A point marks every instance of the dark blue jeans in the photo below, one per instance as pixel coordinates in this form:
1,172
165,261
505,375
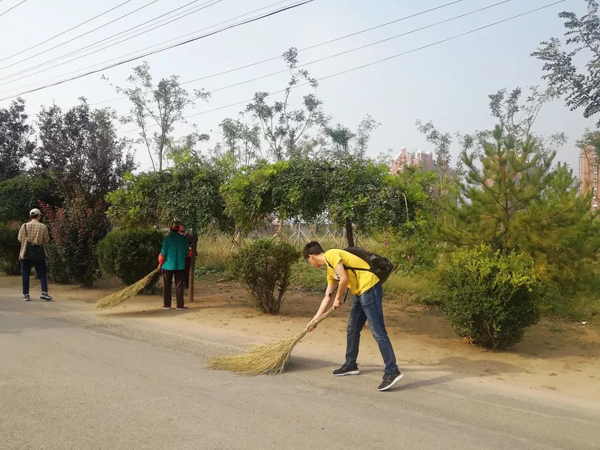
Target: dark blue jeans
40,270
368,306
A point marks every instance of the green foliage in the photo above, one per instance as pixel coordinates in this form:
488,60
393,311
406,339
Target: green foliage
577,82
412,248
490,297
9,250
288,189
139,202
81,152
518,202
130,254
20,194
263,268
283,126
16,144
156,105
58,269
76,231
559,232
307,278
188,193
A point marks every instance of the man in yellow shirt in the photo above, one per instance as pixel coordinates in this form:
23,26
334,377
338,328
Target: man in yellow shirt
345,270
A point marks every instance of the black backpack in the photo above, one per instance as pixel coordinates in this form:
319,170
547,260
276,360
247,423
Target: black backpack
378,265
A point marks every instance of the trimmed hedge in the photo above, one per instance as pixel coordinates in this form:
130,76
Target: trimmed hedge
9,250
265,267
490,298
130,254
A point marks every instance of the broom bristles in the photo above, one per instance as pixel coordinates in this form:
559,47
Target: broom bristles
266,359
116,298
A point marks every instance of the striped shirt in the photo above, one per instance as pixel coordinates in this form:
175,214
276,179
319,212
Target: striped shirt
37,233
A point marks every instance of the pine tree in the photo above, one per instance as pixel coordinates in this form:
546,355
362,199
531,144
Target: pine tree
512,199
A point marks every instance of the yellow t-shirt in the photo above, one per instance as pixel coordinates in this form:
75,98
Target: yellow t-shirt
359,281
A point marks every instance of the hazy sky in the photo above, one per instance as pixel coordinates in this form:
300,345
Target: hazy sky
447,84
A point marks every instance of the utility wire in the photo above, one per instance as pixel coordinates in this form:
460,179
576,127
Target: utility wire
10,9
64,32
398,55
212,91
81,35
360,47
110,38
269,59
151,47
188,41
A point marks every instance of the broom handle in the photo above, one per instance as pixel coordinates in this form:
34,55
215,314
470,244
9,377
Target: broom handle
321,319
325,314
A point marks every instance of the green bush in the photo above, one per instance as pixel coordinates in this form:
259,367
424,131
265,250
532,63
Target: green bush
58,270
9,250
264,267
308,278
490,298
130,254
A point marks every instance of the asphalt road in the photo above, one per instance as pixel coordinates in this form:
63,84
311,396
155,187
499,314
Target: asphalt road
72,380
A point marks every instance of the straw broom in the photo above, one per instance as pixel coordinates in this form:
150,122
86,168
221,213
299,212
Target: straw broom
266,359
116,298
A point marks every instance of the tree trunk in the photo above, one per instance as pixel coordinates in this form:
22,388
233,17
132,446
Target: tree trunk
192,269
349,233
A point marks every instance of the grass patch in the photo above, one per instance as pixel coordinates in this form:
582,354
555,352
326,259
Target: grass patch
580,307
305,277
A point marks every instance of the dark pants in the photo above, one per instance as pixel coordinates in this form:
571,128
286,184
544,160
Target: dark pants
40,270
368,306
167,281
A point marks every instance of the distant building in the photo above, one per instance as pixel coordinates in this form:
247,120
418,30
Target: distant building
589,174
404,159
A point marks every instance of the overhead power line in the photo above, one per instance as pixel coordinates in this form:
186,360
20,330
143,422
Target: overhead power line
188,41
259,62
65,32
406,33
11,8
83,34
379,61
362,47
48,80
108,39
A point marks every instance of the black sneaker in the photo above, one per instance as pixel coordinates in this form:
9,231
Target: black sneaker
346,370
389,380
26,298
46,297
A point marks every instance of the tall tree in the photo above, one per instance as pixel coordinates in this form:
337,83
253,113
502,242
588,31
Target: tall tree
344,143
160,106
579,86
15,140
512,199
283,128
80,151
242,141
341,138
442,143
363,135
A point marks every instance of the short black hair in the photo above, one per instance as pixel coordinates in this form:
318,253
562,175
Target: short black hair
312,248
